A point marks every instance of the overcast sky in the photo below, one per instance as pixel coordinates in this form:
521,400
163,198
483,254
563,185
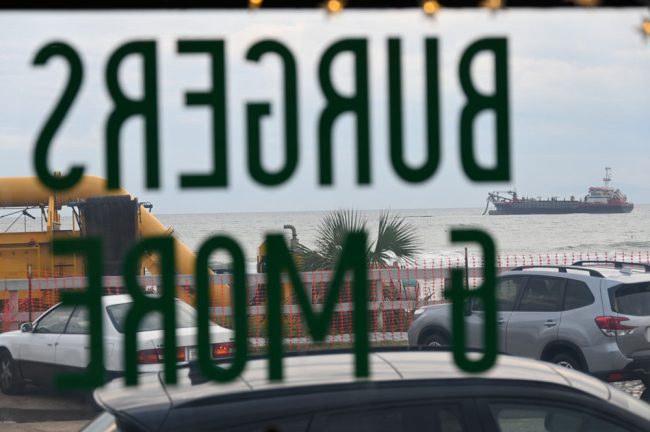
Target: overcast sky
579,101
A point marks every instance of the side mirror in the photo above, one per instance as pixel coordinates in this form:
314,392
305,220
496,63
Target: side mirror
26,327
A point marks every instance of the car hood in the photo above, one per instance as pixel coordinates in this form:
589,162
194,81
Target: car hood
436,306
9,338
10,334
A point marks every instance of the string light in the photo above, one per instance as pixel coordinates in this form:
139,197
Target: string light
645,27
587,3
430,7
334,6
492,4
255,4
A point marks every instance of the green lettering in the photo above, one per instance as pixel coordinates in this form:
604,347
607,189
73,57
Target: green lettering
338,104
215,98
256,111
240,316
477,102
144,304
125,108
353,258
428,168
53,123
486,292
91,299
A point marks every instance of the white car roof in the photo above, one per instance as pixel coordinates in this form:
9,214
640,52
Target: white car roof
338,368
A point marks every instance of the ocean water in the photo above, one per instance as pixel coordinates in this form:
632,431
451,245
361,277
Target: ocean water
524,237
598,235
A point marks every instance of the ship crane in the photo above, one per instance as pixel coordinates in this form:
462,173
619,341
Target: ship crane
608,176
500,196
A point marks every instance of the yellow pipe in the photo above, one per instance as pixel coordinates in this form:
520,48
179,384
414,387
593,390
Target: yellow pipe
185,262
150,226
29,191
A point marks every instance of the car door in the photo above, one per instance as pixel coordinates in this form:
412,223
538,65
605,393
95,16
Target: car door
37,348
536,321
507,292
72,349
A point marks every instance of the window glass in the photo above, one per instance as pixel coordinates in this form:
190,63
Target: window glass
531,418
507,291
632,299
397,419
54,321
185,317
577,295
282,425
542,294
79,322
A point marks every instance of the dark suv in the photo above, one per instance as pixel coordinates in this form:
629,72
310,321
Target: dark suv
590,316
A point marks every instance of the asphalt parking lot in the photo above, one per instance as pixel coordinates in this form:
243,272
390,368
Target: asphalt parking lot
44,410
41,410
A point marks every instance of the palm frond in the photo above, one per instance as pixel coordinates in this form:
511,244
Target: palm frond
396,240
332,233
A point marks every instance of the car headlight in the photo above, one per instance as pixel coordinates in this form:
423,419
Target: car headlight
418,312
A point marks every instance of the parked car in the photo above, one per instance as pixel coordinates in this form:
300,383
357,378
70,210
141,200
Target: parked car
591,316
57,341
407,391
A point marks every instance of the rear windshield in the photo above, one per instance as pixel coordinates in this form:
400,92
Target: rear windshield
631,299
185,317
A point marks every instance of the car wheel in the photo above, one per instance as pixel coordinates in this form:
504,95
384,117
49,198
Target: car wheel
567,361
435,340
11,382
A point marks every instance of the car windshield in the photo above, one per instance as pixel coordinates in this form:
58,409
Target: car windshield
631,299
185,317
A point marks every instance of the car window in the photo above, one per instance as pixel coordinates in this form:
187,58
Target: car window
577,295
631,299
432,418
282,425
55,321
185,317
542,294
507,291
79,322
515,417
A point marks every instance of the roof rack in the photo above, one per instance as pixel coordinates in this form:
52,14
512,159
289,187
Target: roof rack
616,264
561,269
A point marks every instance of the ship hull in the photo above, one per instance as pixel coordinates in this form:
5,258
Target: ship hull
558,207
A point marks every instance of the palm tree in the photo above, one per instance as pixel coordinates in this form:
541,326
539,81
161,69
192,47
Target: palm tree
396,241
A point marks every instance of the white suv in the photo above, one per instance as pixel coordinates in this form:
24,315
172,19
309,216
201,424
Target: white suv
593,316
58,342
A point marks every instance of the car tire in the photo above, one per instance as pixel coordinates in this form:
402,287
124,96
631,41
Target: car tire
435,340
568,361
11,380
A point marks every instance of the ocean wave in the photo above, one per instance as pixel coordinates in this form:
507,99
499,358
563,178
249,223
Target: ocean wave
637,244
